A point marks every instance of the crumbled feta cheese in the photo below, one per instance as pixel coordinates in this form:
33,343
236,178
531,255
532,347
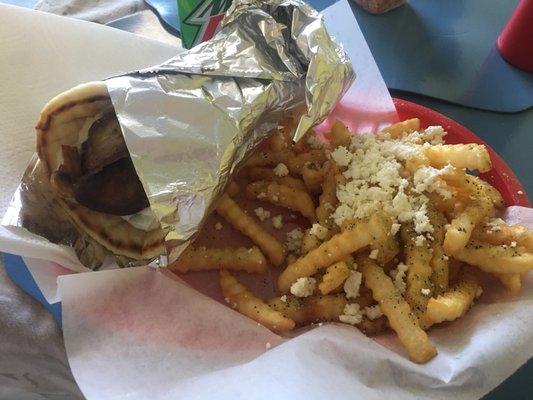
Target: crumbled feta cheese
352,284
395,228
328,207
303,287
268,345
314,142
402,207
398,275
294,239
373,312
520,192
425,291
402,150
427,179
420,239
283,298
374,254
421,220
434,134
218,226
261,213
319,231
494,224
445,257
277,222
479,292
513,244
262,195
281,170
341,156
375,180
352,314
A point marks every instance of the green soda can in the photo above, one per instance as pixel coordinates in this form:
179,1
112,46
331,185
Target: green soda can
200,19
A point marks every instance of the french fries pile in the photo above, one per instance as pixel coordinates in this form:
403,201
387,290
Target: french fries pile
396,231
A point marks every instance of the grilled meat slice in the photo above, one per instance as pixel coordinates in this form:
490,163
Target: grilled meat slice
104,145
115,189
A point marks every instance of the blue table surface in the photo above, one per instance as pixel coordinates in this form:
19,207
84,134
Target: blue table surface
510,134
447,50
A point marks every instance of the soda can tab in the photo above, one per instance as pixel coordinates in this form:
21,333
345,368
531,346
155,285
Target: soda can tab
200,19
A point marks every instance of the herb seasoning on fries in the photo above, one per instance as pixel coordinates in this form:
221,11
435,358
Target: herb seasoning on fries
393,231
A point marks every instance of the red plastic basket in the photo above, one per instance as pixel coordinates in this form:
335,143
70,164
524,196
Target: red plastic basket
501,176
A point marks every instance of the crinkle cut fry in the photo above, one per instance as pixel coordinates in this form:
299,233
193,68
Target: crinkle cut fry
473,186
268,174
401,319
504,234
355,237
233,189
281,139
400,129
417,259
439,261
471,156
296,163
269,158
313,175
450,206
513,282
246,303
334,277
454,303
496,259
328,198
278,142
339,135
387,249
311,309
241,221
204,259
461,227
309,242
284,196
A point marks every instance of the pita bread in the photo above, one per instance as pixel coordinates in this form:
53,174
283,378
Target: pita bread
65,120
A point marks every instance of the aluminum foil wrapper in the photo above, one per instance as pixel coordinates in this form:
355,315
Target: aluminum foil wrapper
190,122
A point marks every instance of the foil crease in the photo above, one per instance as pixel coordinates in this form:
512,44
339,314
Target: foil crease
190,122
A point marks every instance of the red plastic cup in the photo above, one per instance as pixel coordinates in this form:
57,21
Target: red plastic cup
515,43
